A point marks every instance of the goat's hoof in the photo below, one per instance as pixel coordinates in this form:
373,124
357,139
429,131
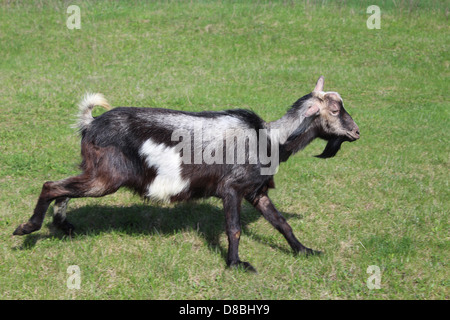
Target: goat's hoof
65,227
25,228
308,252
311,252
242,265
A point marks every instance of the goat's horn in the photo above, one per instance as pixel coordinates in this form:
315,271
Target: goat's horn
319,84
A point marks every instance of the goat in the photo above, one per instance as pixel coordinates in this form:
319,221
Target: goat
135,148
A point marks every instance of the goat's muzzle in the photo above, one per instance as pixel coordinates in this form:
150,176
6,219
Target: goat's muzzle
353,134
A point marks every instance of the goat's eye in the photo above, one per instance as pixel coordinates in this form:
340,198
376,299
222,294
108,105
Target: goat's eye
334,112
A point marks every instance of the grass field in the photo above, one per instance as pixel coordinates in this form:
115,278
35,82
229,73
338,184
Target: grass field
383,200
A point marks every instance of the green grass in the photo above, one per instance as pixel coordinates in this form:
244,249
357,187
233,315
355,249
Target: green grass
384,200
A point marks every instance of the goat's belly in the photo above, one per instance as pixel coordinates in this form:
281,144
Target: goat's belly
164,187
167,163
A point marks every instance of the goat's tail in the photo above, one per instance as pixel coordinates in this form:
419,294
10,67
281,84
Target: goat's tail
90,100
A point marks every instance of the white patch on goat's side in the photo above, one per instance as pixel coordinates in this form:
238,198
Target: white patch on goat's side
167,162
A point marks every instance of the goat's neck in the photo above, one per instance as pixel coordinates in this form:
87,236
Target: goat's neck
293,134
285,127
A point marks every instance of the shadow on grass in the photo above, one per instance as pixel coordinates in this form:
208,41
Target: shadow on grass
148,219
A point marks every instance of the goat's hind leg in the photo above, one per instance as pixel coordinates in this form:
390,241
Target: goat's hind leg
35,222
59,215
232,208
80,186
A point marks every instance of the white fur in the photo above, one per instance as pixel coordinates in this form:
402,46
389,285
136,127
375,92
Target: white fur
321,94
167,162
90,100
209,126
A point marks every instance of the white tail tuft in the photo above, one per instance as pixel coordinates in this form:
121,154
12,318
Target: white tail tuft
90,100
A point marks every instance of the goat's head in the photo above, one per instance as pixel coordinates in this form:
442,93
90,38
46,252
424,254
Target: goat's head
333,123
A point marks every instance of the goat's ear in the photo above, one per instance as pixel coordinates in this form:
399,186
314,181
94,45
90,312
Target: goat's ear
312,110
319,84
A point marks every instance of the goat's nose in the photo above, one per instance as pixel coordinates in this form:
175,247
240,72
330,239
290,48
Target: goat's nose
356,132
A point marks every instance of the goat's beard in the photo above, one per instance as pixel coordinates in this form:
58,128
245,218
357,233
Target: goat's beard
332,147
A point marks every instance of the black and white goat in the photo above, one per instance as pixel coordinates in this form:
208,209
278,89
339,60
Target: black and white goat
137,148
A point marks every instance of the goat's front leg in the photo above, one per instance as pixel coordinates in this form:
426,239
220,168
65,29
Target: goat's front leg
268,210
232,208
